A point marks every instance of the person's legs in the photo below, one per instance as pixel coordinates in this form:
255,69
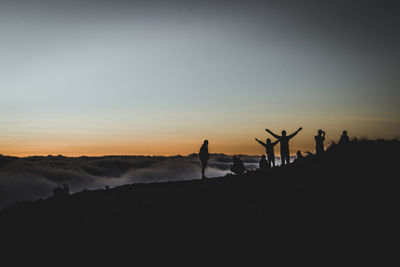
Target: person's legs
271,161
285,159
203,168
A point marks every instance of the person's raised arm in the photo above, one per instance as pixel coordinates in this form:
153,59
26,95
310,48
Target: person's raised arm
261,143
296,132
271,133
275,143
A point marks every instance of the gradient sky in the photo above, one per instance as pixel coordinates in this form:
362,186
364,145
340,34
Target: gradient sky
148,77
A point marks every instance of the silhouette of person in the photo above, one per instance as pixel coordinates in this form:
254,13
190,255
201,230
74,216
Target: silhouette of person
284,139
264,164
61,191
319,142
269,149
299,156
237,166
204,156
344,139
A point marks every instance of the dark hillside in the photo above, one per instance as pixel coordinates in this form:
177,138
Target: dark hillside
349,188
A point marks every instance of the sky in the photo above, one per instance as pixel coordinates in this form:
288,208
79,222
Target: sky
158,77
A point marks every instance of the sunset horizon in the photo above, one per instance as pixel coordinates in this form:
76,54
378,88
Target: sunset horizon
171,149
157,79
181,121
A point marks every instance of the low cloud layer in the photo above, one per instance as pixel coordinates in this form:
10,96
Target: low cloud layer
33,178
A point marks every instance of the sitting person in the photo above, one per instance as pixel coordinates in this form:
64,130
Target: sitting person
344,139
299,157
60,192
264,163
237,167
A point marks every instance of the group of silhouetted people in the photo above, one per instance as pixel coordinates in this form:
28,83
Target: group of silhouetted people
269,148
269,161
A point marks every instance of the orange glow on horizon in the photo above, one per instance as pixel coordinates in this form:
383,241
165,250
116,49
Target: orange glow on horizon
224,138
143,148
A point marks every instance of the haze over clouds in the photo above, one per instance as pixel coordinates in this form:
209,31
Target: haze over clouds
35,177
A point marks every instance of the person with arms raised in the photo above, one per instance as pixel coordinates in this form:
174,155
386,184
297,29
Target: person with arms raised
269,149
284,139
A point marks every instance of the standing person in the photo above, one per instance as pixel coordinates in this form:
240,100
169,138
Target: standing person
269,149
204,156
319,142
344,139
284,139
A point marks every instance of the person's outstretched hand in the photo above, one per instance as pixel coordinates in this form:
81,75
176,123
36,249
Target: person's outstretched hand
267,129
256,139
301,128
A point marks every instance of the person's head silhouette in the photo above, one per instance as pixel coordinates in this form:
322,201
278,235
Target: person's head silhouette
320,132
206,142
283,133
268,141
345,132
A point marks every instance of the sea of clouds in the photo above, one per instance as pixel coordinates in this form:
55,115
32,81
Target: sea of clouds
32,178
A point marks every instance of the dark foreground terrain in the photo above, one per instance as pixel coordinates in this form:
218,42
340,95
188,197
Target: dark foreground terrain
349,194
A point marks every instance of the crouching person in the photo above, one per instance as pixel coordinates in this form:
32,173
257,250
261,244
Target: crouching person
237,167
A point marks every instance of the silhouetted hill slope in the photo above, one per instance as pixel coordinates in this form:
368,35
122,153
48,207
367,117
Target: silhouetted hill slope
356,183
35,177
